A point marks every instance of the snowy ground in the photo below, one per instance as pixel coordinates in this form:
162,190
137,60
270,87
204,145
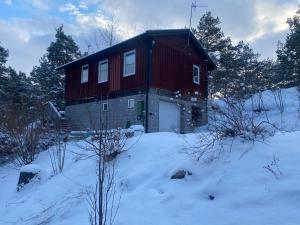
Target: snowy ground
245,192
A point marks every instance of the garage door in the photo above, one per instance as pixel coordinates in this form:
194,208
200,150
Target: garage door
169,117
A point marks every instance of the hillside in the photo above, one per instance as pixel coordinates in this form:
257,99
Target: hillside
244,191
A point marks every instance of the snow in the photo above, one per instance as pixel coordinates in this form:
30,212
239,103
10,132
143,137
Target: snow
245,192
31,168
137,128
54,109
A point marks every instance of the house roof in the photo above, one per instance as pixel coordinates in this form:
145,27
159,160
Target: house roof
148,33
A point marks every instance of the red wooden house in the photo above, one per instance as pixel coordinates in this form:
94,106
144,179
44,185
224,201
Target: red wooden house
158,79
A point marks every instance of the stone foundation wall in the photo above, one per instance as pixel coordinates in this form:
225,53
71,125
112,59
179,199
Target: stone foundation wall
91,115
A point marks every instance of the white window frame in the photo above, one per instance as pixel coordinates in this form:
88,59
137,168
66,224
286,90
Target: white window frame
130,103
103,108
82,80
198,68
124,65
99,71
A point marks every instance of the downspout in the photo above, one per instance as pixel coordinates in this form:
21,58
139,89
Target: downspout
148,79
206,80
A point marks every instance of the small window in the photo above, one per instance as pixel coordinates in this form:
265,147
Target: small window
130,103
103,71
129,63
105,106
85,74
196,74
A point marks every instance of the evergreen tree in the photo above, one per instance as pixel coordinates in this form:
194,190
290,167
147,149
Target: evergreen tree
17,96
3,59
211,37
3,78
51,82
63,50
288,54
238,67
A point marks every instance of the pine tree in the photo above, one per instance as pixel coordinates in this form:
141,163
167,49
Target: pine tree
238,67
51,82
3,59
63,50
288,54
211,37
3,79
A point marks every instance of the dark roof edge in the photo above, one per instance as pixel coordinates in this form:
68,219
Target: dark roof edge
147,33
98,52
203,50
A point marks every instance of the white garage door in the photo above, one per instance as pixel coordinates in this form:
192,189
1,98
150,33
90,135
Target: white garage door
169,117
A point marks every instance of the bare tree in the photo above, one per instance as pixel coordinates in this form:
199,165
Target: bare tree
105,146
104,37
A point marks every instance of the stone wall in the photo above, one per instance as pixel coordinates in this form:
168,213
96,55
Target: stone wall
91,115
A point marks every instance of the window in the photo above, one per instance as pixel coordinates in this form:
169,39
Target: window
105,106
85,74
129,63
196,74
130,103
103,71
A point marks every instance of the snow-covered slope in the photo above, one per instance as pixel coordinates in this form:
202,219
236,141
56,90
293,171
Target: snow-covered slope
245,192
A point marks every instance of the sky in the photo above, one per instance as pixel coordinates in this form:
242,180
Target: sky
28,26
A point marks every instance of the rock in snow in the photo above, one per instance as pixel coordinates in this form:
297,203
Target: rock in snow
180,174
27,173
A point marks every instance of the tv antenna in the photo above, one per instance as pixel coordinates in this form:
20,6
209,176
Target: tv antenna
194,6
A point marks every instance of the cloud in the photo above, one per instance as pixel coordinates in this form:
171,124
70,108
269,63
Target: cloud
83,5
271,18
69,8
39,4
7,2
26,40
260,22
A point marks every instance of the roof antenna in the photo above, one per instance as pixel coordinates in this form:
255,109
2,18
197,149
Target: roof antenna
89,46
193,8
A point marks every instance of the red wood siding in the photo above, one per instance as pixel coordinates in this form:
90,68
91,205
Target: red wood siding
116,82
115,71
173,64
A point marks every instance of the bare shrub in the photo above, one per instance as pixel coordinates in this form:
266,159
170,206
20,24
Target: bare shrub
58,153
229,119
209,147
273,167
279,100
257,103
26,134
